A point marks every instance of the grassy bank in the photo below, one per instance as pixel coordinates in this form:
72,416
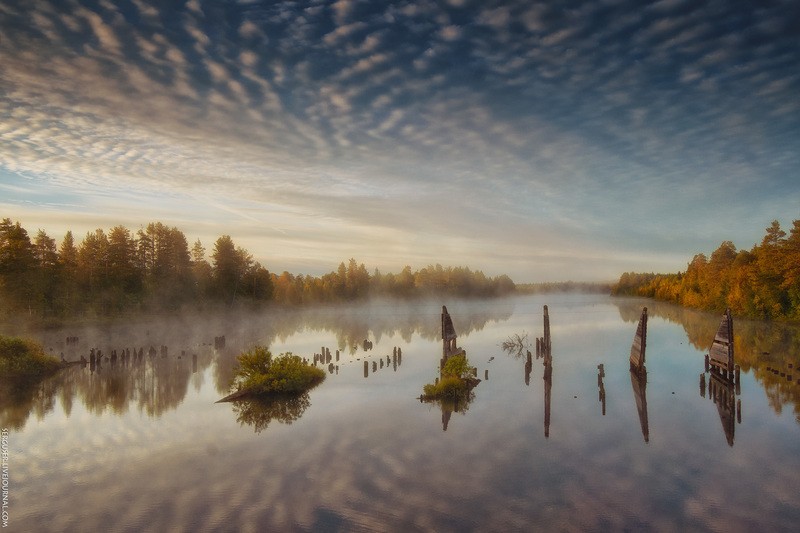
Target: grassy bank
25,358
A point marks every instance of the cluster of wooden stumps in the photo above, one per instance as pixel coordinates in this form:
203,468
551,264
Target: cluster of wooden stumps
786,372
325,358
124,357
394,361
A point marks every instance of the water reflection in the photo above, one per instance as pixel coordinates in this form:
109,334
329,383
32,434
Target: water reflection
548,391
639,385
601,388
149,363
153,385
723,392
544,350
259,412
362,445
769,351
392,362
456,401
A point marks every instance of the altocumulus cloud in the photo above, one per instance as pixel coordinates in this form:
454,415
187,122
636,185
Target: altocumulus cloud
494,134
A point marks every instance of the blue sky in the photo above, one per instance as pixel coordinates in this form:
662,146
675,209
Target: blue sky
545,140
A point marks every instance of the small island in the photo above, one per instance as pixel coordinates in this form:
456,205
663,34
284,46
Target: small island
262,375
456,375
25,359
456,382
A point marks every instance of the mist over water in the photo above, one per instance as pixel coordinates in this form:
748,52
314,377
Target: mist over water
143,446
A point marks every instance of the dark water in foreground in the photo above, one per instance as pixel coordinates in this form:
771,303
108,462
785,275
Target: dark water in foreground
143,447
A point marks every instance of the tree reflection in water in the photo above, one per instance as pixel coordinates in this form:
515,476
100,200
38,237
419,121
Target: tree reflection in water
451,405
259,412
153,385
768,350
20,398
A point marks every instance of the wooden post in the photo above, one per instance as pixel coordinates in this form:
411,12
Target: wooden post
547,342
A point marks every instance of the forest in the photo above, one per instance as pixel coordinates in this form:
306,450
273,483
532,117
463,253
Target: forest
762,283
154,269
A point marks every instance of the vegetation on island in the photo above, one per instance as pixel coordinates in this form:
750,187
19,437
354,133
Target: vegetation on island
261,374
762,283
120,271
258,412
24,358
455,383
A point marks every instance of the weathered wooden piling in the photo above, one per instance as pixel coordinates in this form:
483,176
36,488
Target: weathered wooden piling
639,345
721,354
366,368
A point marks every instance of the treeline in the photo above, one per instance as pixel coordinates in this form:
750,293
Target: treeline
587,287
119,271
762,283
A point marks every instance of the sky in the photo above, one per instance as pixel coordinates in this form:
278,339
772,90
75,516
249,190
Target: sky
544,140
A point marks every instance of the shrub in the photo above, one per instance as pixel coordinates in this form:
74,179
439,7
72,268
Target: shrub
23,357
261,373
455,382
458,366
447,387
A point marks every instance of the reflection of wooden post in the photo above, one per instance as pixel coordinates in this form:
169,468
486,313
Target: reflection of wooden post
366,368
639,384
703,385
548,389
601,373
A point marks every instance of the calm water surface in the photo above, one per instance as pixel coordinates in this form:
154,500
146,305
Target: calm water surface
144,446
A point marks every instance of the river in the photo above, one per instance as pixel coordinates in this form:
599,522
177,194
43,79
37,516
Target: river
141,445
